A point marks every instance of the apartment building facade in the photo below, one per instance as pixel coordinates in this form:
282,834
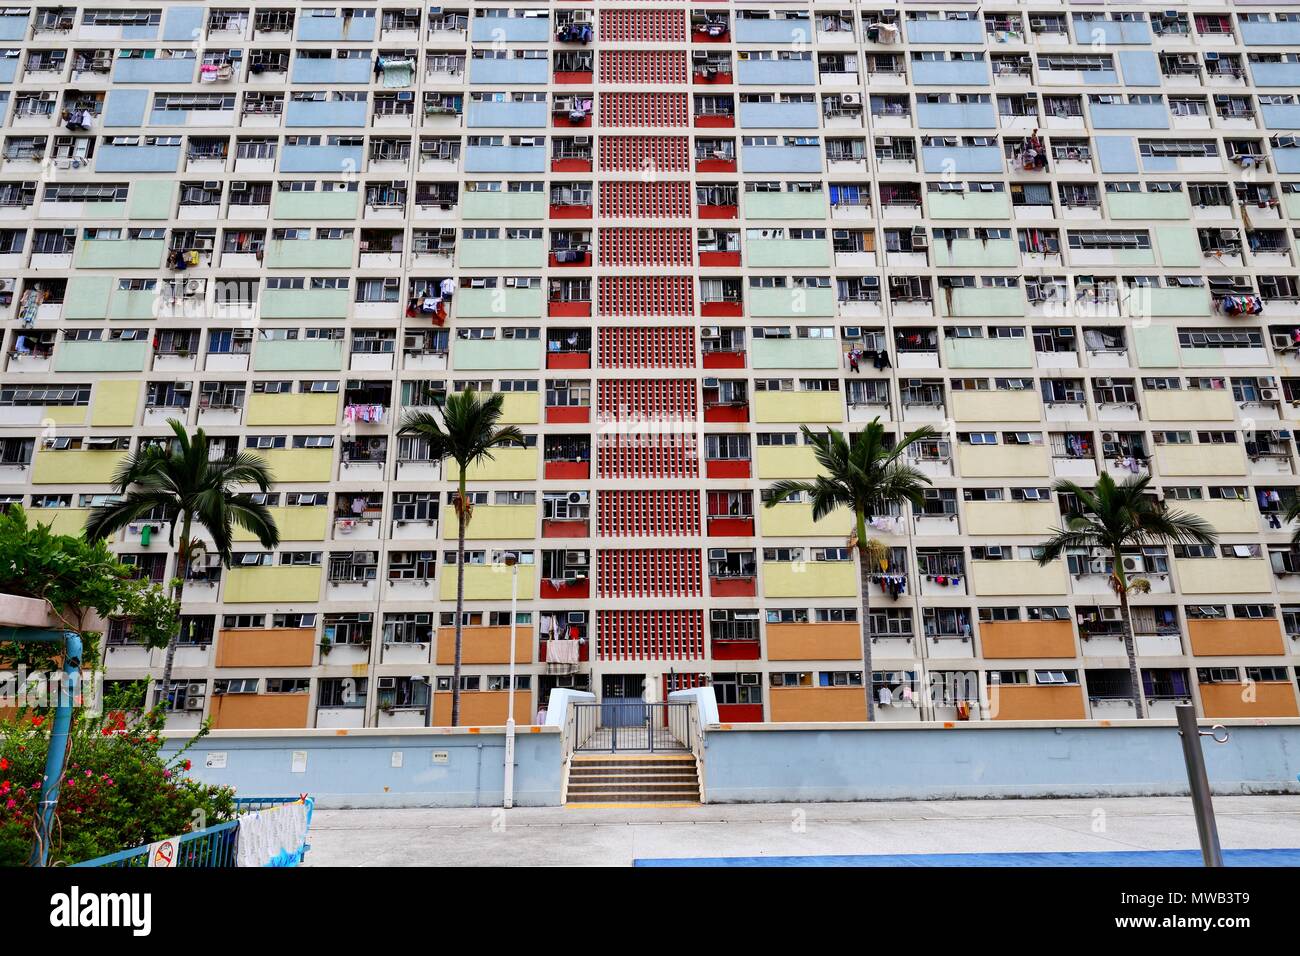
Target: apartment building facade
1062,234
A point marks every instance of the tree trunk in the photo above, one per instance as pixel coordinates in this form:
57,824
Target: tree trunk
864,582
178,591
460,600
1130,647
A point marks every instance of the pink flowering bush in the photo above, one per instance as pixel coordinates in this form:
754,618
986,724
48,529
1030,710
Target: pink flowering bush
119,789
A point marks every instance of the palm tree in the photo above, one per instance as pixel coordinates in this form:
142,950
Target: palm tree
467,434
1114,517
865,476
1293,514
182,485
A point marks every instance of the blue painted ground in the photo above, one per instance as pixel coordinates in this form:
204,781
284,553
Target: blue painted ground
1124,858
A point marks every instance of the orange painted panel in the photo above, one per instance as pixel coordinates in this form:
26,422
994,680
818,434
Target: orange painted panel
483,708
1233,638
818,704
244,711
1029,702
267,647
485,645
814,642
1022,639
1272,699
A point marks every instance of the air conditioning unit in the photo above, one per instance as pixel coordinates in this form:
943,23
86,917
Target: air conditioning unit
850,99
387,683
1269,395
700,55
717,554
194,702
717,615
1133,563
577,497
1281,340
363,558
1110,614
1109,437
581,140
239,186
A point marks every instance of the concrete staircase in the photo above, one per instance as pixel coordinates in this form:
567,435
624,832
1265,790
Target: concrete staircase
605,779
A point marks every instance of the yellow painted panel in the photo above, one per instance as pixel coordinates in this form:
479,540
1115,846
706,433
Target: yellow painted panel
66,414
1223,575
795,520
1010,517
292,409
1200,460
999,461
299,464
496,521
60,520
520,408
75,467
114,402
295,524
787,461
810,579
995,578
1226,516
1019,406
799,407
487,582
507,464
268,585
1193,405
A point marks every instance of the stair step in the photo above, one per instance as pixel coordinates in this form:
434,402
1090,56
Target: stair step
646,785
620,779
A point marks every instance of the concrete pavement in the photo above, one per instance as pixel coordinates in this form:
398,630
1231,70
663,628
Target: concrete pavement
560,836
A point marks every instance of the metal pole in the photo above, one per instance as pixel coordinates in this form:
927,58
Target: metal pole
54,756
1206,828
510,690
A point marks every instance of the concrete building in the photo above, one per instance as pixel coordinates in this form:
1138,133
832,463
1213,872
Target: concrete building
1065,234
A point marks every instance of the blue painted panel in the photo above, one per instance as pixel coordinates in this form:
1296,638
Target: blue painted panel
182,23
773,31
775,73
950,73
125,107
8,69
1128,116
1117,154
1101,78
1281,116
961,159
777,115
1287,160
172,70
955,116
1269,34
327,113
320,159
1110,31
505,159
1140,68
360,29
510,29
137,159
325,72
508,72
1276,74
781,159
945,31
13,28
506,115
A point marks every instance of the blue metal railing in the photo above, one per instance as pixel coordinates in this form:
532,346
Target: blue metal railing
211,847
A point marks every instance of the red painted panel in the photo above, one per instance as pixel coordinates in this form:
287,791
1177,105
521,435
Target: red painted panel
726,413
570,590
569,310
571,212
568,414
700,36
719,212
570,166
715,166
585,261
717,79
563,529
568,360
722,308
729,527
732,587
574,76
720,258
740,713
566,469
724,359
714,121
736,650
730,468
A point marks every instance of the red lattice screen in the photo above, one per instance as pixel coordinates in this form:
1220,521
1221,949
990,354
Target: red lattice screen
648,572
648,514
631,456
638,200
644,635
664,347
648,110
645,295
630,246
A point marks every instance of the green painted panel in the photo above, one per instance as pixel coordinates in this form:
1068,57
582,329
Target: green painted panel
780,253
978,206
305,303
310,253
1178,246
988,353
500,303
151,198
331,204
502,253
474,354
785,205
284,355
977,253
504,205
791,303
1147,206
1156,346
119,253
86,297
100,356
794,353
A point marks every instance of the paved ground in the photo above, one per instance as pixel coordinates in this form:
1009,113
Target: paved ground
611,837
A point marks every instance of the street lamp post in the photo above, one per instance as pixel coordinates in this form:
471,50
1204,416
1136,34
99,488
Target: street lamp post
512,561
